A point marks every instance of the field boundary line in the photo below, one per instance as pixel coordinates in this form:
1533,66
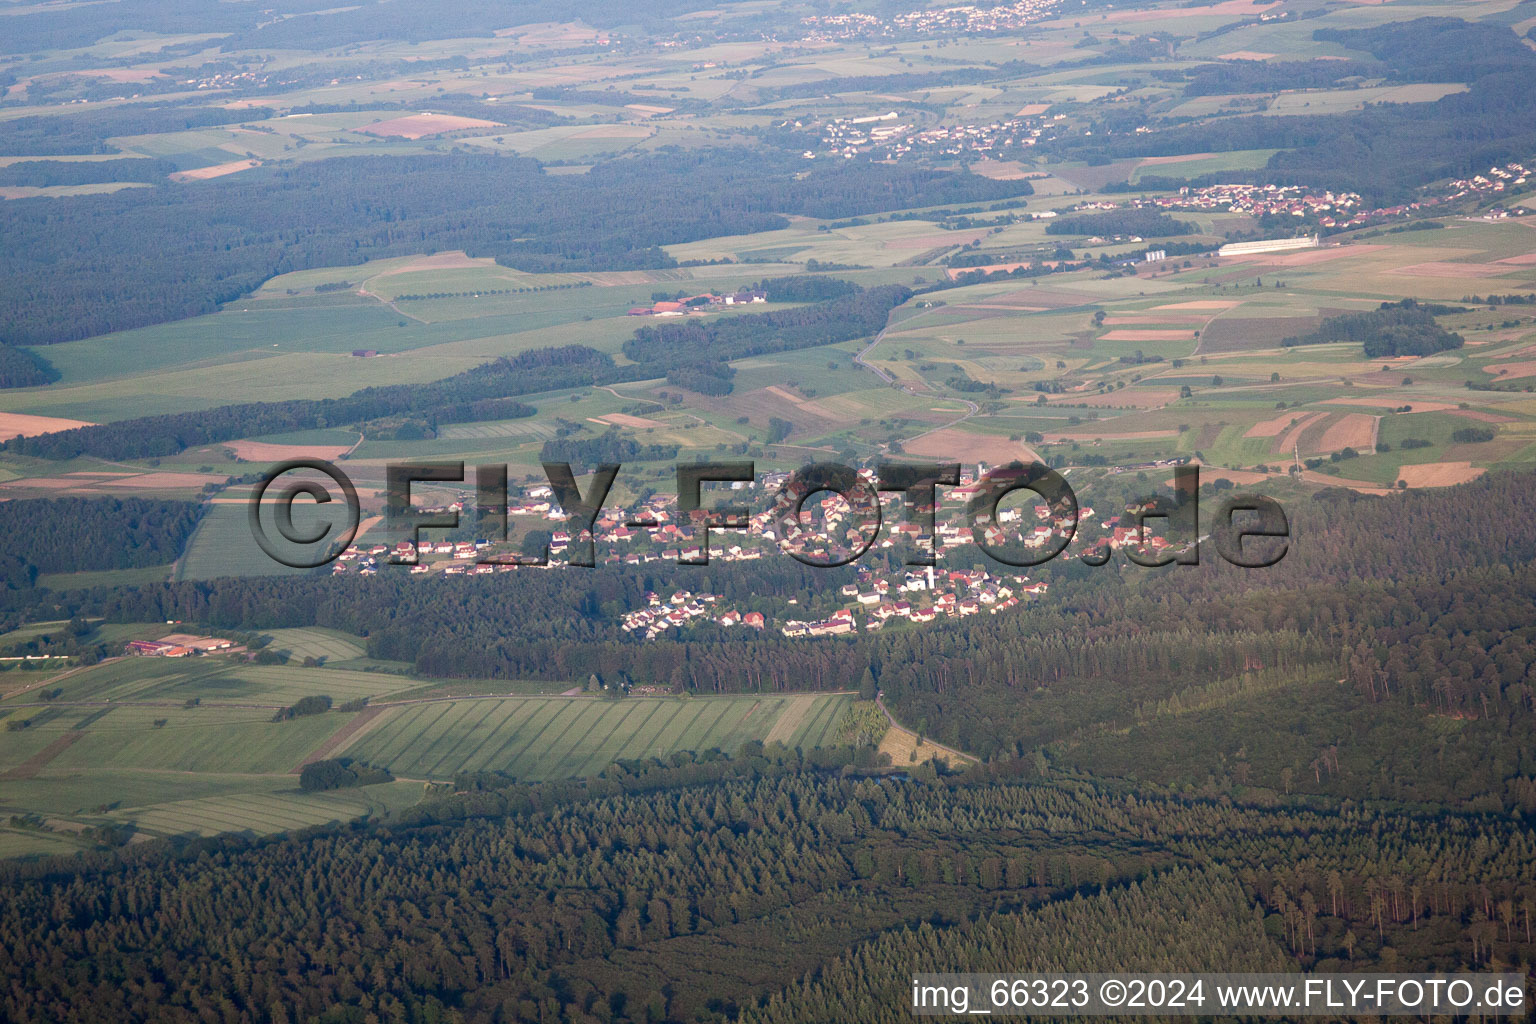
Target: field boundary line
618,755
490,759
340,739
37,762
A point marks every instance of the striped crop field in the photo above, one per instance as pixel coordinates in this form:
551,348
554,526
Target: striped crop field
561,737
497,428
261,813
226,680
192,740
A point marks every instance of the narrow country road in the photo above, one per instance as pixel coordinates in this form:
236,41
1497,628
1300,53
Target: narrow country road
971,407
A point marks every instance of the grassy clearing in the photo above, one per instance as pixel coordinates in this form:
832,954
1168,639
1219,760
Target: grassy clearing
328,644
541,738
105,578
263,812
222,545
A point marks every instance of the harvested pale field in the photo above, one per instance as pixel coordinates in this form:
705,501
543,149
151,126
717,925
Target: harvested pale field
1000,170
1120,319
1520,261
901,745
1150,335
647,109
1435,268
49,483
625,420
1181,158
1312,476
937,240
1306,258
1124,435
774,389
1244,55
20,424
1439,474
953,444
1032,109
788,722
1126,398
420,126
1272,427
1383,402
997,305
1520,369
1288,441
261,451
162,481
1038,298
614,131
1216,304
216,171
1351,430
453,259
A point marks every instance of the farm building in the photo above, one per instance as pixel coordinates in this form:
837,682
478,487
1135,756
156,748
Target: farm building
178,645
1267,245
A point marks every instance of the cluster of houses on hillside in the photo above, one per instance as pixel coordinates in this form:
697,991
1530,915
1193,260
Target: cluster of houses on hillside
966,18
887,137
1498,179
682,608
1332,209
828,530
919,596
178,645
708,302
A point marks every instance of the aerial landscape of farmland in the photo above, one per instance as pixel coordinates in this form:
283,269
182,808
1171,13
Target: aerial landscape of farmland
683,512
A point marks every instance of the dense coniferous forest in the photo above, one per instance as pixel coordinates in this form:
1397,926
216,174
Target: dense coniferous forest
600,900
178,252
1247,76
88,534
46,173
87,132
